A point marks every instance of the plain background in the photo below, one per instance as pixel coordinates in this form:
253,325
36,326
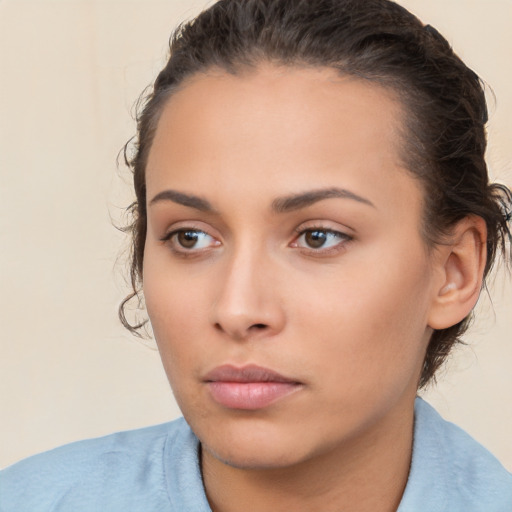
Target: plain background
70,72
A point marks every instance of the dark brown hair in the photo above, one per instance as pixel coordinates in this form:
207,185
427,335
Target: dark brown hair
378,41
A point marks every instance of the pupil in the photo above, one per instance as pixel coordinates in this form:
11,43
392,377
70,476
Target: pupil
187,239
316,239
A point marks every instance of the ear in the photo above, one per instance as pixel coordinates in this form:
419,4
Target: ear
461,264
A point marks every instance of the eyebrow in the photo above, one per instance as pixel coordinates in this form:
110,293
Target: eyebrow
189,200
298,201
280,205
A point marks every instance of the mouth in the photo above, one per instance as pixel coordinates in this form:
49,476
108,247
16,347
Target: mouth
250,387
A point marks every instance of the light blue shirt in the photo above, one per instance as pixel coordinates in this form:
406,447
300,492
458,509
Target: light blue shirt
156,469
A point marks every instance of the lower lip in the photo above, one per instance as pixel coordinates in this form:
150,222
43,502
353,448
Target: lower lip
250,395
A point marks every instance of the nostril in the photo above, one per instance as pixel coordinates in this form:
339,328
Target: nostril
241,333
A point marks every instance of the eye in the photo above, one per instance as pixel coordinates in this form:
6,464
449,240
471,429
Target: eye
320,239
188,240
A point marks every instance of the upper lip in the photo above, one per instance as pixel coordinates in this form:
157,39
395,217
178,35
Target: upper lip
248,373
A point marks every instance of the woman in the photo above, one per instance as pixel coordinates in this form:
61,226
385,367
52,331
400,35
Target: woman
312,229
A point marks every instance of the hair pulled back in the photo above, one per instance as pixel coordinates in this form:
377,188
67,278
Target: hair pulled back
444,137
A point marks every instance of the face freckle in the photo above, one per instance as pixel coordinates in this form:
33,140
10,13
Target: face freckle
331,293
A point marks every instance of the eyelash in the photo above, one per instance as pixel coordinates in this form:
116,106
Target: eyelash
178,248
344,239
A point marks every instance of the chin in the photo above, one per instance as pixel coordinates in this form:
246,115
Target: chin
251,444
254,457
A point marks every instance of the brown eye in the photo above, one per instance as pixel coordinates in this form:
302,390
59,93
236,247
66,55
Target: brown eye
315,239
188,239
321,240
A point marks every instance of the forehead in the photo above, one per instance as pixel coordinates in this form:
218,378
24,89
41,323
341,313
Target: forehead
277,127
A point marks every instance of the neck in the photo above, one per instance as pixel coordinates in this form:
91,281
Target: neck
364,474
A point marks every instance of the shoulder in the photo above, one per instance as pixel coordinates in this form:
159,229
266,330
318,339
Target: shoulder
106,473
451,471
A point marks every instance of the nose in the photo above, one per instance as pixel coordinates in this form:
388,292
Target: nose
247,303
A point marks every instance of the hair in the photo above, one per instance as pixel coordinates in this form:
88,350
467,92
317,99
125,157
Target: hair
444,137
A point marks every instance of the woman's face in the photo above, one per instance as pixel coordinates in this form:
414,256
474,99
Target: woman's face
285,276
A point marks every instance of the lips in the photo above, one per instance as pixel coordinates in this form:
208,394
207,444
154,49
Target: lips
249,388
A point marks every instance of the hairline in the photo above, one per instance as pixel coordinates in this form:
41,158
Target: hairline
409,158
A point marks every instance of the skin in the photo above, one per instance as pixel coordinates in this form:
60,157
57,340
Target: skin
349,320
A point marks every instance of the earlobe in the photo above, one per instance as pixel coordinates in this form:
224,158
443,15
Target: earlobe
462,262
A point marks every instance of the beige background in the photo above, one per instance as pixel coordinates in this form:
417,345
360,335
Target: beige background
69,73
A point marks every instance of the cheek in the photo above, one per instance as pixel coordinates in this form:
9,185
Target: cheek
177,315
173,299
176,324
370,323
